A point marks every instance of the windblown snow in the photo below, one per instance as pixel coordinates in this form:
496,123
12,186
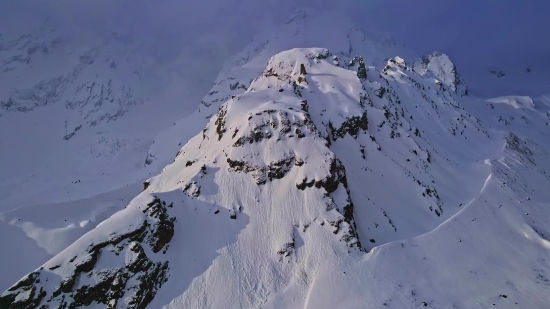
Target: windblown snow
342,174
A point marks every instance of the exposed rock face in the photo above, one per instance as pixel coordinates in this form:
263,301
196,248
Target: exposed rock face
27,287
361,70
302,69
333,181
351,126
132,285
146,185
525,154
275,170
220,122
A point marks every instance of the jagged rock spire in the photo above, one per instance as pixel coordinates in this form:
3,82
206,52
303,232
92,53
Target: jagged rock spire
302,69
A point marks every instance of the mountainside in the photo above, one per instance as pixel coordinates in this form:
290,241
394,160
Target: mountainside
78,111
342,174
50,195
90,105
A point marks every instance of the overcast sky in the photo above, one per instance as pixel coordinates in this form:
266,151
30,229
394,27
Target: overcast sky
514,30
475,33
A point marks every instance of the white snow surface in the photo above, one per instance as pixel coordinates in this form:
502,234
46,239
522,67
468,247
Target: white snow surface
449,193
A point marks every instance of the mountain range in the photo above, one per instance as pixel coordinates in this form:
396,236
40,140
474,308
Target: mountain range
326,167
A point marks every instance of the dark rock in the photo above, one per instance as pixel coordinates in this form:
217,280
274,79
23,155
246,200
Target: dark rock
278,170
220,122
324,54
305,183
351,126
362,70
302,69
380,92
287,249
28,286
111,285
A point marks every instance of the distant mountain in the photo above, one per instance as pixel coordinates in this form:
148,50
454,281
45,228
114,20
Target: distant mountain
90,107
335,175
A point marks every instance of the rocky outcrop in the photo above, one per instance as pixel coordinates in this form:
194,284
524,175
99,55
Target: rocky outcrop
268,123
330,183
220,122
24,294
132,285
515,144
262,174
352,126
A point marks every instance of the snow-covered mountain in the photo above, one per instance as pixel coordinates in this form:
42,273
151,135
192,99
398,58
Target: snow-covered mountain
78,113
90,105
304,29
325,168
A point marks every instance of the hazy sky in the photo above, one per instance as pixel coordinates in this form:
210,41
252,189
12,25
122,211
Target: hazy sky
475,33
511,29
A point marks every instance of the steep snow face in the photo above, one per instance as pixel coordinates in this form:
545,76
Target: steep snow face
260,145
292,181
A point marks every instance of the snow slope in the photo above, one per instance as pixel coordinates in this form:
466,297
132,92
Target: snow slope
339,175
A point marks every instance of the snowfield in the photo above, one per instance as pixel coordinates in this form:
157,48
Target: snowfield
326,168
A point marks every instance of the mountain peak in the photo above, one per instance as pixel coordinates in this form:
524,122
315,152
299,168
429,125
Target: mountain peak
442,68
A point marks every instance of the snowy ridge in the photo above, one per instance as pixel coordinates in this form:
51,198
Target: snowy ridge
306,28
327,180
